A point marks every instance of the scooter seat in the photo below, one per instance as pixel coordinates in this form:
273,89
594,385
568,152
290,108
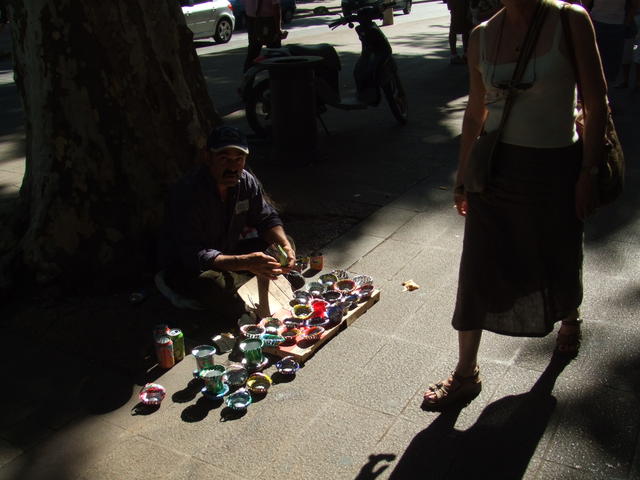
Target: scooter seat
324,50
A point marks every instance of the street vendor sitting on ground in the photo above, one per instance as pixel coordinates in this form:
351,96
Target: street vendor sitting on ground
202,251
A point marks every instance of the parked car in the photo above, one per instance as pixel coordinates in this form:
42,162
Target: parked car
348,6
287,7
206,18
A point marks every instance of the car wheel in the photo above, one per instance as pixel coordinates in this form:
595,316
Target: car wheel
223,31
407,8
287,16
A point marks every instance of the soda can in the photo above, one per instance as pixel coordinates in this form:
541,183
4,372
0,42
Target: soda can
177,337
160,330
164,352
316,262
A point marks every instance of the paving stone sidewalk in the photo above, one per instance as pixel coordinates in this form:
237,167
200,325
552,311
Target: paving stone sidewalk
353,411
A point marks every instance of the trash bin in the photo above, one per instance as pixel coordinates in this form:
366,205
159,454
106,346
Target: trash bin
293,107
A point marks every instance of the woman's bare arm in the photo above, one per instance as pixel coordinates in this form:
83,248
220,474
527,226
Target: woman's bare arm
473,119
594,99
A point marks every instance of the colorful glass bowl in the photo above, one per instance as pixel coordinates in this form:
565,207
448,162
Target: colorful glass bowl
298,301
317,321
341,274
272,325
312,334
152,394
345,286
239,400
361,280
259,383
204,355
290,335
236,375
214,385
287,366
316,289
252,331
319,307
365,291
334,313
272,340
302,294
351,301
332,296
292,322
328,279
302,312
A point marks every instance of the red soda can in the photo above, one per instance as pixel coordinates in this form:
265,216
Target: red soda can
164,352
161,330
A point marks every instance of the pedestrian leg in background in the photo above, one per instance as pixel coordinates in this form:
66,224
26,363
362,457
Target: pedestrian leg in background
610,38
255,44
260,31
630,42
460,25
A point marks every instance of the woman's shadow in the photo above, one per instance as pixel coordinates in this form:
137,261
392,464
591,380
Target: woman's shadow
501,442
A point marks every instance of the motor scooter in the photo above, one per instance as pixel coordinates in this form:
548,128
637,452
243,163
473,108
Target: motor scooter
375,70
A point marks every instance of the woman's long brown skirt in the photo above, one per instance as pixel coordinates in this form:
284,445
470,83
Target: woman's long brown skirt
521,266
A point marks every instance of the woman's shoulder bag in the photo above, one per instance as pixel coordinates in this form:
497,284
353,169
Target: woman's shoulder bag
611,168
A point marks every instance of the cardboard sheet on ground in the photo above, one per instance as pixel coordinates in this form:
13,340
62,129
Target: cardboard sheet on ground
266,296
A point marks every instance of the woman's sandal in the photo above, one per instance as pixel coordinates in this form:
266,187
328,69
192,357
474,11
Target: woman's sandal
454,389
569,343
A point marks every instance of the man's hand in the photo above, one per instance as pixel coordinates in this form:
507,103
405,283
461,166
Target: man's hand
261,264
291,259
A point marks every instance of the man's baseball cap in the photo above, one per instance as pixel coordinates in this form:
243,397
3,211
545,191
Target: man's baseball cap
227,137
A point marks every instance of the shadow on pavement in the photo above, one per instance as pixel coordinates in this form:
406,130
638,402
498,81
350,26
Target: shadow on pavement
500,443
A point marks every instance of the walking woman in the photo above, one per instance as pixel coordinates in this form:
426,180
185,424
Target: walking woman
610,20
521,265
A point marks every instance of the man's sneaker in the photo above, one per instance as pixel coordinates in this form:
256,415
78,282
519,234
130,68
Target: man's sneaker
456,60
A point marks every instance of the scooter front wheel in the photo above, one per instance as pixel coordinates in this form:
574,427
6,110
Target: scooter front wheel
258,108
397,98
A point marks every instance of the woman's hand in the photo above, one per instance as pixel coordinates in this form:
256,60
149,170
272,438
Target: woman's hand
460,200
261,264
586,194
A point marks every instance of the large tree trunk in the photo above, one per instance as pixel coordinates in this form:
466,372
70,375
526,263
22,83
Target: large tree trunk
116,106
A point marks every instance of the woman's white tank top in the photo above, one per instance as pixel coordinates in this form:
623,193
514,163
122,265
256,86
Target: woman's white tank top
544,110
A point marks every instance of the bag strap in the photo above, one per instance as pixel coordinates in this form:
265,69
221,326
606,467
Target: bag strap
528,46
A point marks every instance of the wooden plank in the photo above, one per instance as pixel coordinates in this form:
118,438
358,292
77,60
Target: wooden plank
302,353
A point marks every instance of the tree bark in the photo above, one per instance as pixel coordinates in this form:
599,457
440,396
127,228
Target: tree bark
116,108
